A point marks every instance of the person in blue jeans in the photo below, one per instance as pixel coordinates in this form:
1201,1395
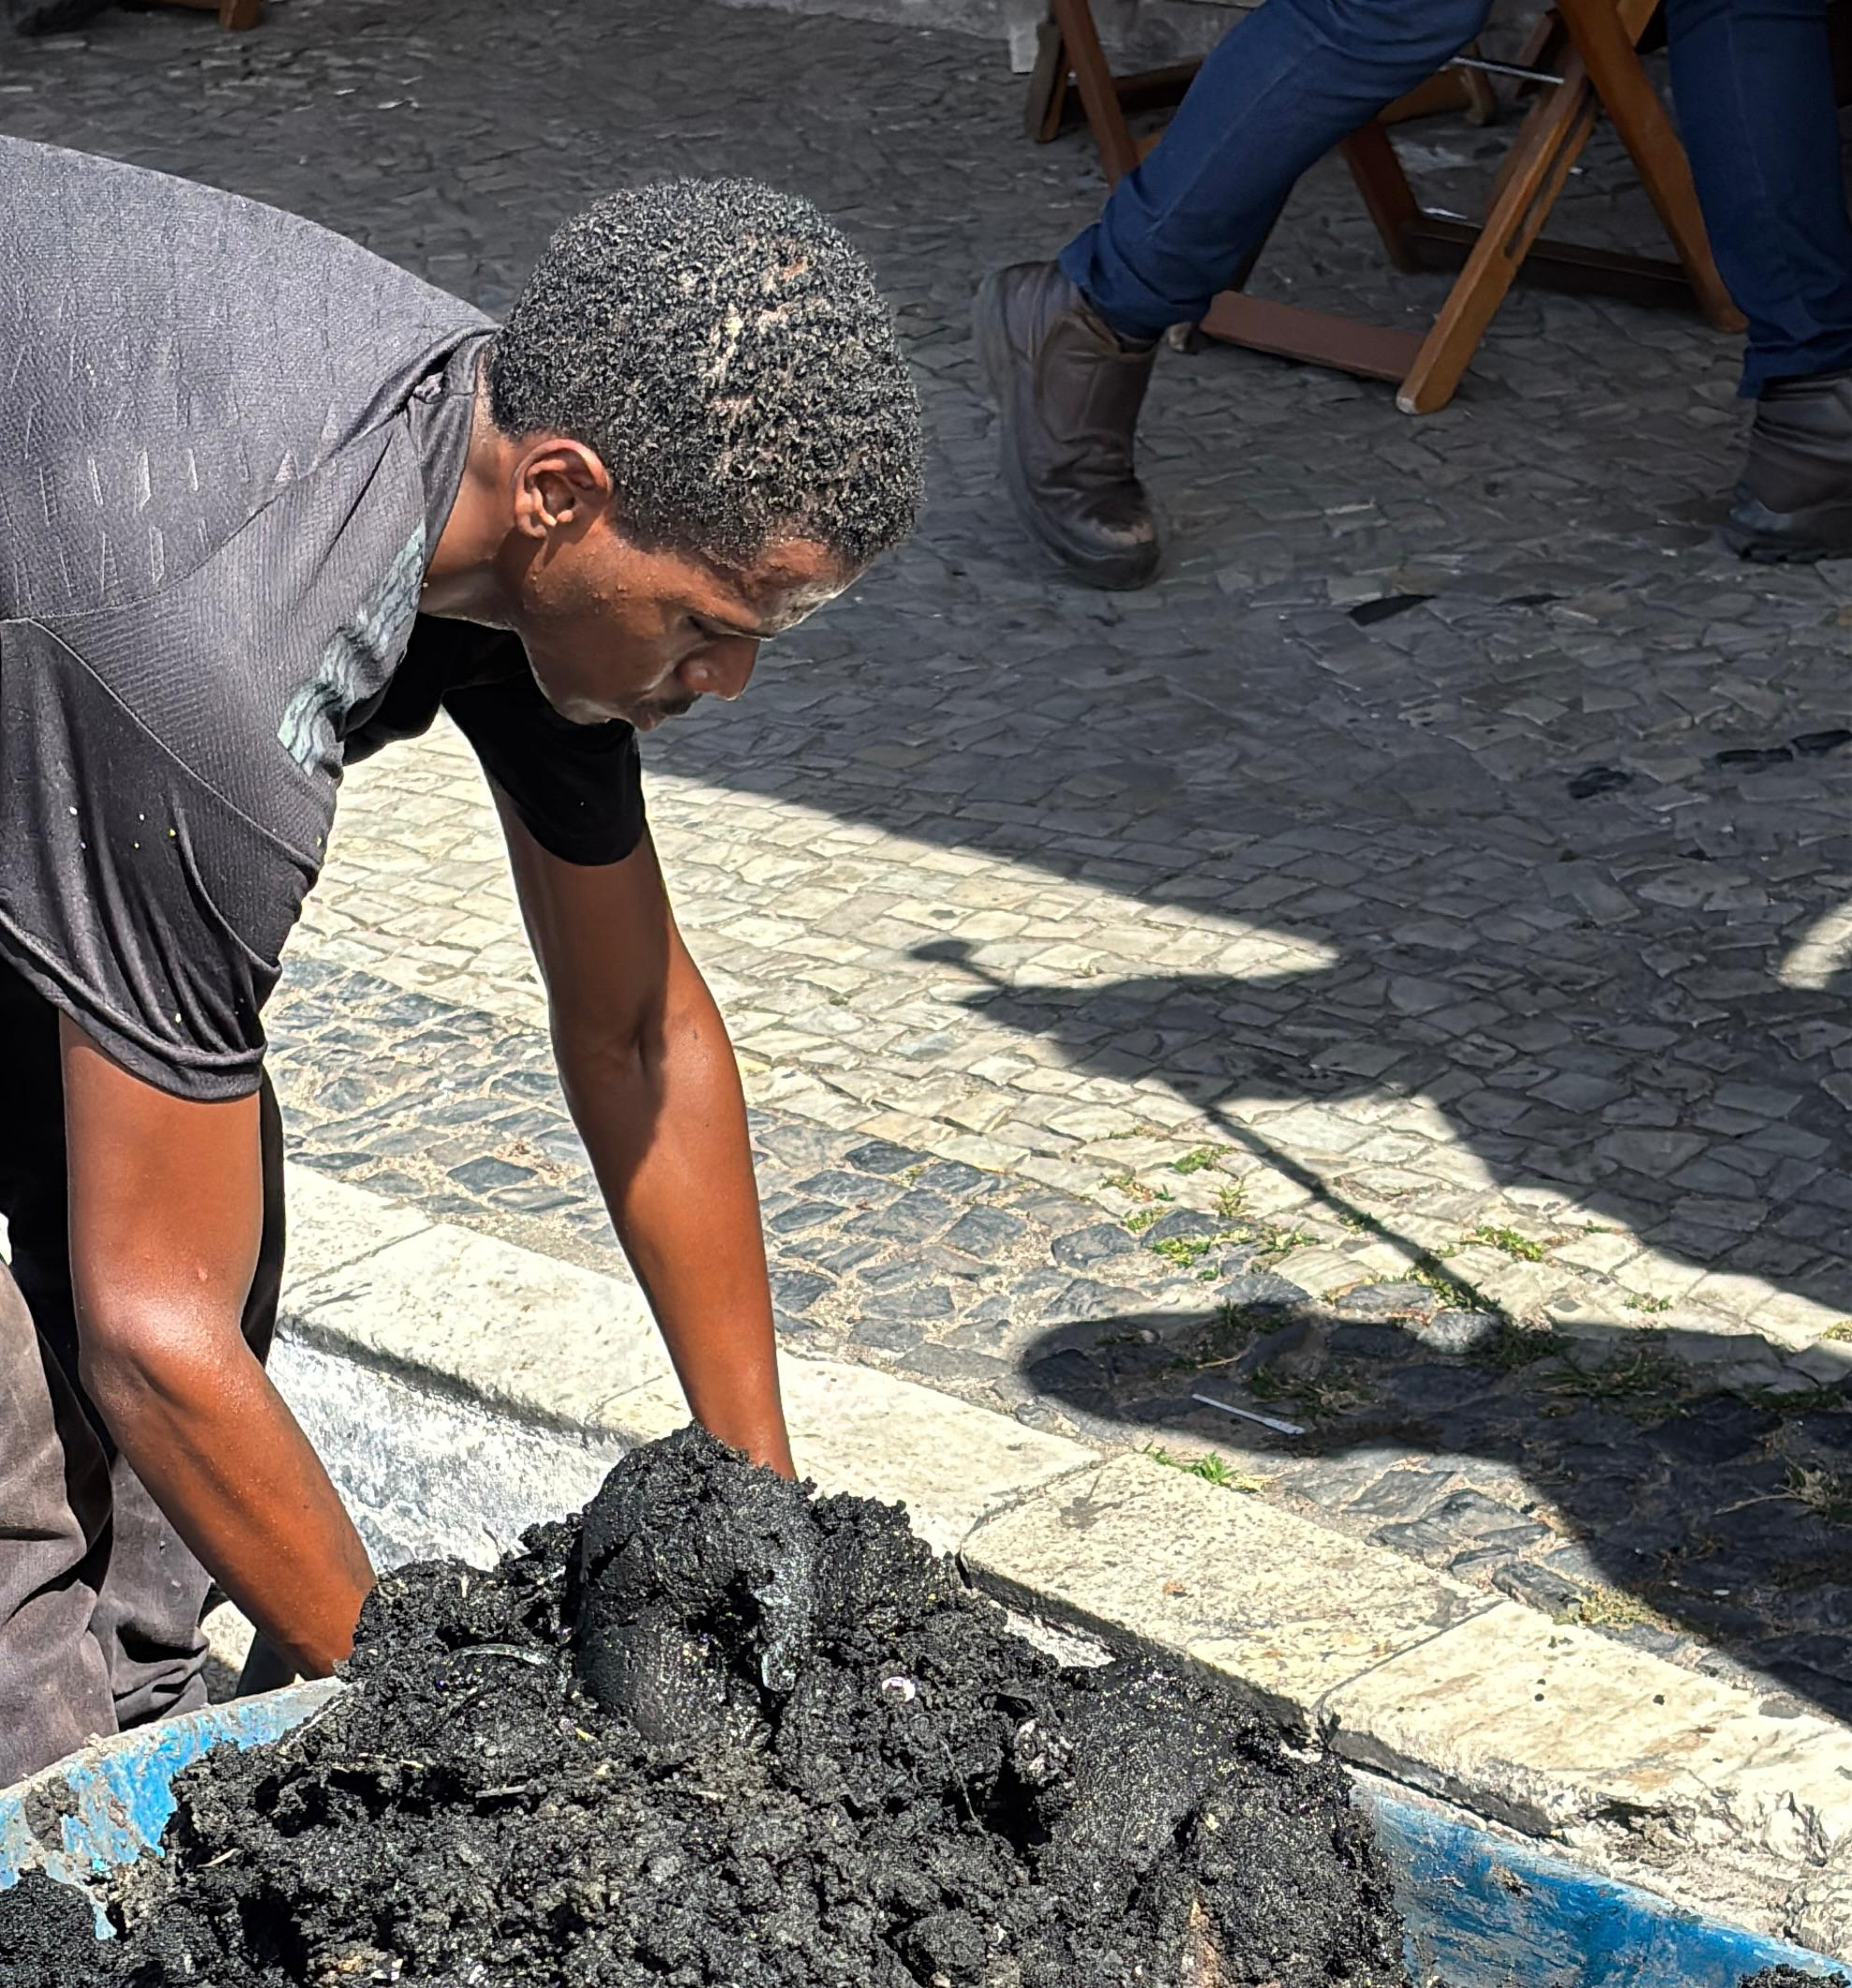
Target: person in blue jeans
1067,346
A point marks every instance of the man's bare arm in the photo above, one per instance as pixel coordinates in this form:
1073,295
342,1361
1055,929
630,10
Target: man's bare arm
654,1089
166,1209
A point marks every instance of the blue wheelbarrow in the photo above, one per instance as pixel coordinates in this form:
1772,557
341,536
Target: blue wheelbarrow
1482,1910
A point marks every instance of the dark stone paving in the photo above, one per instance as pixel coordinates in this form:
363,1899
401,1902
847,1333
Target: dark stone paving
1474,702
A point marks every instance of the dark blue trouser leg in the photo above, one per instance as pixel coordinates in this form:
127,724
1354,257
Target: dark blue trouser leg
1281,89
1754,89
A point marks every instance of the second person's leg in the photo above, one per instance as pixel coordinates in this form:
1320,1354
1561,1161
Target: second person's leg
1067,347
1753,82
1285,86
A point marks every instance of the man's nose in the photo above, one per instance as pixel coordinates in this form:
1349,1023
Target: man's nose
721,668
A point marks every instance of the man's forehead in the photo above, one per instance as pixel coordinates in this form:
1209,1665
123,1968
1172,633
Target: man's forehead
785,608
772,602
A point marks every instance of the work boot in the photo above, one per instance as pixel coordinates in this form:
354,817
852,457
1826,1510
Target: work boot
1067,390
1794,501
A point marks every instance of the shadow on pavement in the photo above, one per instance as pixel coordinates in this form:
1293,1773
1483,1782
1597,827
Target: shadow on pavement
1584,1478
1585,1471
1563,1085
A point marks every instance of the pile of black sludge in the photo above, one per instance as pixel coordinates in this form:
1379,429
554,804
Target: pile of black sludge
718,1732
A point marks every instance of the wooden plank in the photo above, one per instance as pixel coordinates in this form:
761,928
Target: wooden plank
1386,193
1099,94
1604,37
1575,267
1290,331
1045,103
1549,143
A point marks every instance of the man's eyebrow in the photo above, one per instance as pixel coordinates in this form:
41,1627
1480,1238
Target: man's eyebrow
729,627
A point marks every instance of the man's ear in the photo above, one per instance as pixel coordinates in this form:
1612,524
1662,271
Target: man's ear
559,485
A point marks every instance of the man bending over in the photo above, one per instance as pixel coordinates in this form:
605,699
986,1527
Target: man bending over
268,502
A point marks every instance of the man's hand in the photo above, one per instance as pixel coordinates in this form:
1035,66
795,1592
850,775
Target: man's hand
650,1077
165,1211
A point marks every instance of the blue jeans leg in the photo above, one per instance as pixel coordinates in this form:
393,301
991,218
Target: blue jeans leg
1281,89
1754,88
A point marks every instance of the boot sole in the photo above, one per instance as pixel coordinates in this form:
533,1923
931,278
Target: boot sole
1788,538
997,361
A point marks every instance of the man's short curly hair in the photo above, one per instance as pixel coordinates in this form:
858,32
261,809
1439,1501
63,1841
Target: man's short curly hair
727,353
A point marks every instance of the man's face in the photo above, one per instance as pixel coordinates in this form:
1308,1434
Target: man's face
613,631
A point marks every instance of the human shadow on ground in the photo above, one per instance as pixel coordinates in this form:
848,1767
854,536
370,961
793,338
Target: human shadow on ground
1716,1146
1587,1478
1586,1471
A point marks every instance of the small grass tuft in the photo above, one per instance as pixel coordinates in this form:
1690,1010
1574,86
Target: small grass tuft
1458,1294
1196,1161
1234,1329
1646,1385
1321,1397
1602,1607
1827,1494
1142,1219
1514,1346
1212,1468
1361,1222
1840,1334
1134,1188
1645,1301
1187,1252
1510,1242
1274,1241
1228,1201
1823,1401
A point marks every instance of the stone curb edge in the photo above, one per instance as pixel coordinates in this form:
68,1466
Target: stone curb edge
1640,1769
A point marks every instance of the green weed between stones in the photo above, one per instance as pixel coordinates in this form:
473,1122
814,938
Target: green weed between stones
1827,1494
1645,1301
1645,1385
1459,1295
1212,1468
1822,1401
1615,1608
1514,1346
1322,1397
1840,1334
1198,1159
1510,1242
1234,1329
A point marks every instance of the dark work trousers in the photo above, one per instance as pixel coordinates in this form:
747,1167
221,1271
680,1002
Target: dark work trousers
99,1599
1753,83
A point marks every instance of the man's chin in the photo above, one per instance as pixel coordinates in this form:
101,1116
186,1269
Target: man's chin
646,718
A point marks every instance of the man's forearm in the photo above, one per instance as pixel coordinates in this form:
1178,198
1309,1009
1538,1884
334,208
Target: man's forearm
663,1119
166,1212
219,1451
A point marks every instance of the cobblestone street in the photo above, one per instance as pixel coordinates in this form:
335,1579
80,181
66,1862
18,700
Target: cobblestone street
1390,977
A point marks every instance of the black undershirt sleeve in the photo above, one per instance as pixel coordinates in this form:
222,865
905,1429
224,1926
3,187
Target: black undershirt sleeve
577,788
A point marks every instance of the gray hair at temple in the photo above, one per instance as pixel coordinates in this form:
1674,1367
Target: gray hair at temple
726,351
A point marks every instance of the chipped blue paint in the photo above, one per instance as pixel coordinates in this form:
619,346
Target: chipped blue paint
113,1798
1483,1911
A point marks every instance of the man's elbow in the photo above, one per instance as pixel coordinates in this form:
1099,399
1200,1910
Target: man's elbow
601,1050
136,1354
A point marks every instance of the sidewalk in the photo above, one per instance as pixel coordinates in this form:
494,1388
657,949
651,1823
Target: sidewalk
1390,977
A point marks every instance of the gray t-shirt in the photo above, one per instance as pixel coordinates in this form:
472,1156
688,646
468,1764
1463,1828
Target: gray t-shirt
228,443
